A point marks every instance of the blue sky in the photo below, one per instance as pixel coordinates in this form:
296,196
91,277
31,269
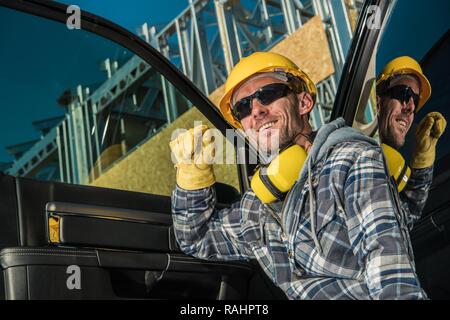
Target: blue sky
414,27
133,13
41,58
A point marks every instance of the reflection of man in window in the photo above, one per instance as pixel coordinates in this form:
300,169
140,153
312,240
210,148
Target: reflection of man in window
338,234
402,90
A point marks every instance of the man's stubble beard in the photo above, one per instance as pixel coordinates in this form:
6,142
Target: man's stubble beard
390,139
282,141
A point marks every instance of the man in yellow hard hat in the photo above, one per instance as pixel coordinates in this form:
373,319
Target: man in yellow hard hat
336,234
402,90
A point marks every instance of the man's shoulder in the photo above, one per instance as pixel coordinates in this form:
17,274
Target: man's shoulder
352,150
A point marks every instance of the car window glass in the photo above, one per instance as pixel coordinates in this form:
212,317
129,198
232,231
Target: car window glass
81,109
425,38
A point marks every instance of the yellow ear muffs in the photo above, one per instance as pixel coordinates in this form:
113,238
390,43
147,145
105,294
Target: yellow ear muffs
397,166
272,182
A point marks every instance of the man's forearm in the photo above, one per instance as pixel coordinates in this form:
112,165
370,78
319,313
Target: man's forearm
203,231
415,194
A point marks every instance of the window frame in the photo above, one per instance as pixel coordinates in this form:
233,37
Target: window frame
361,57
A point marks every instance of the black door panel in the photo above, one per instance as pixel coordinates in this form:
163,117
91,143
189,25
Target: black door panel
99,218
107,227
8,212
33,196
434,274
431,241
44,273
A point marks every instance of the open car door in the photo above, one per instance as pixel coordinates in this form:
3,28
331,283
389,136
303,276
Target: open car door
74,240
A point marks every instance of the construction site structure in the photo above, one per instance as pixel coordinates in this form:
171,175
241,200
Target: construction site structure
135,102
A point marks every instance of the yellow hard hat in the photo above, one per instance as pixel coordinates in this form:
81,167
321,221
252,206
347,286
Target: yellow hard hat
259,62
407,65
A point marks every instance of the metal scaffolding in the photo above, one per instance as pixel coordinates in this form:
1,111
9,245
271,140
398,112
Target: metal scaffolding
205,41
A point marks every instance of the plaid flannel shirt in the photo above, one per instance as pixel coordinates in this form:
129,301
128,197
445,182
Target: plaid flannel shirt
364,250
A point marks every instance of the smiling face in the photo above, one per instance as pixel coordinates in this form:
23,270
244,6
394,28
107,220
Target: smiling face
275,125
395,118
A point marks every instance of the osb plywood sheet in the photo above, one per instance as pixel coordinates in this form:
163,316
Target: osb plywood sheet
217,94
149,167
307,47
352,13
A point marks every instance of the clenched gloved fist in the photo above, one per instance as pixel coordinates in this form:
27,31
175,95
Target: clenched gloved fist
194,153
428,132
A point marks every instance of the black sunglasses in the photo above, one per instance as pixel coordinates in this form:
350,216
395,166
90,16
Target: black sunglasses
403,93
265,95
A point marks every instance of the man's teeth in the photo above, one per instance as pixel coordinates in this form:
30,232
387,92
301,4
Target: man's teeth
267,125
402,123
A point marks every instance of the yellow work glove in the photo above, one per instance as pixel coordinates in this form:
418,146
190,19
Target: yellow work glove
194,167
428,132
